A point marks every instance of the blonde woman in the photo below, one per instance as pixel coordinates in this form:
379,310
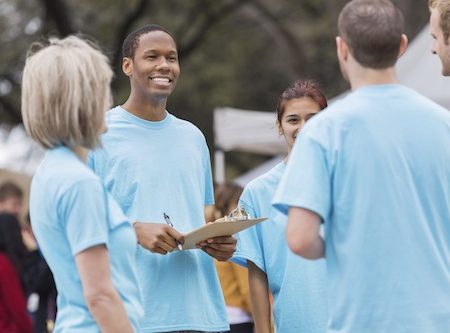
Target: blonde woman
82,233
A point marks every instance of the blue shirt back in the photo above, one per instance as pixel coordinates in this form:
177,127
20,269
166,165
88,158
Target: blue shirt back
376,167
298,286
152,168
71,211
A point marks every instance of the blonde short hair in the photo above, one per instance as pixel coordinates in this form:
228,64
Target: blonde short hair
443,8
65,92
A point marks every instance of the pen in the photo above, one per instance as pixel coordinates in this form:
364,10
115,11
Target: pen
167,218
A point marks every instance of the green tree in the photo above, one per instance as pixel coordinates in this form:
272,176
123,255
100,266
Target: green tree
239,53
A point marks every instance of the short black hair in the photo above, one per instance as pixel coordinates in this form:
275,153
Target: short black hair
131,42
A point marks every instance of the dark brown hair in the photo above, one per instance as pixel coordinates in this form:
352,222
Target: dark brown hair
226,197
300,89
372,30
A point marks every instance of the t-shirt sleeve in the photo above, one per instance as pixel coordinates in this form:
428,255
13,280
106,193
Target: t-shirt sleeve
249,244
307,180
209,188
96,160
82,209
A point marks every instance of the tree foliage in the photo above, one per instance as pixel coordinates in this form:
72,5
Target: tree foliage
239,53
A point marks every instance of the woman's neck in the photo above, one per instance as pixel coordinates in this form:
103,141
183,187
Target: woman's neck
81,152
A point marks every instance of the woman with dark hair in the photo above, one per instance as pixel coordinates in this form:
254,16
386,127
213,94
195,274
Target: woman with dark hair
297,285
13,312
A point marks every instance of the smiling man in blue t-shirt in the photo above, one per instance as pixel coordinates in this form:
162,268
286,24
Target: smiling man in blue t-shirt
376,171
154,164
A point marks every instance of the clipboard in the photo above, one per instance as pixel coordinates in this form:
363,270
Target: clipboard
216,229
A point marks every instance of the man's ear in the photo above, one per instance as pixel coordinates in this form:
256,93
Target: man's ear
403,45
341,49
127,66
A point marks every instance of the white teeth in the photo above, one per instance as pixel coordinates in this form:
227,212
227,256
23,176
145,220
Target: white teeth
161,79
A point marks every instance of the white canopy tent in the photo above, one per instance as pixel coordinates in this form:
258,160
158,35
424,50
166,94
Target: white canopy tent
254,131
244,130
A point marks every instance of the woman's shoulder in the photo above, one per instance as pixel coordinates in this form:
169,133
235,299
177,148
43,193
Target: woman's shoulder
268,180
63,166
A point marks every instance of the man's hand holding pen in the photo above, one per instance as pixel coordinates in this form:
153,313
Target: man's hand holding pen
157,237
220,248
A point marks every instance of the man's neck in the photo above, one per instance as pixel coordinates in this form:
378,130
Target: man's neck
145,109
361,77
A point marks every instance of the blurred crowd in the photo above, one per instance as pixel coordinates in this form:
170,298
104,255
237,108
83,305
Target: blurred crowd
28,292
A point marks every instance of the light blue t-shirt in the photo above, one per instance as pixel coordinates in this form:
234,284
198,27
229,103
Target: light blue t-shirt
376,167
152,168
70,212
298,285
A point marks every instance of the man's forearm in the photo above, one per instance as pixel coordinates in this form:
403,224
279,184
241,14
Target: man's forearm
303,233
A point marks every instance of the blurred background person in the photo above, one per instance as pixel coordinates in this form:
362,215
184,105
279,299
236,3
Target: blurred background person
13,311
87,241
233,278
297,285
39,287
11,198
